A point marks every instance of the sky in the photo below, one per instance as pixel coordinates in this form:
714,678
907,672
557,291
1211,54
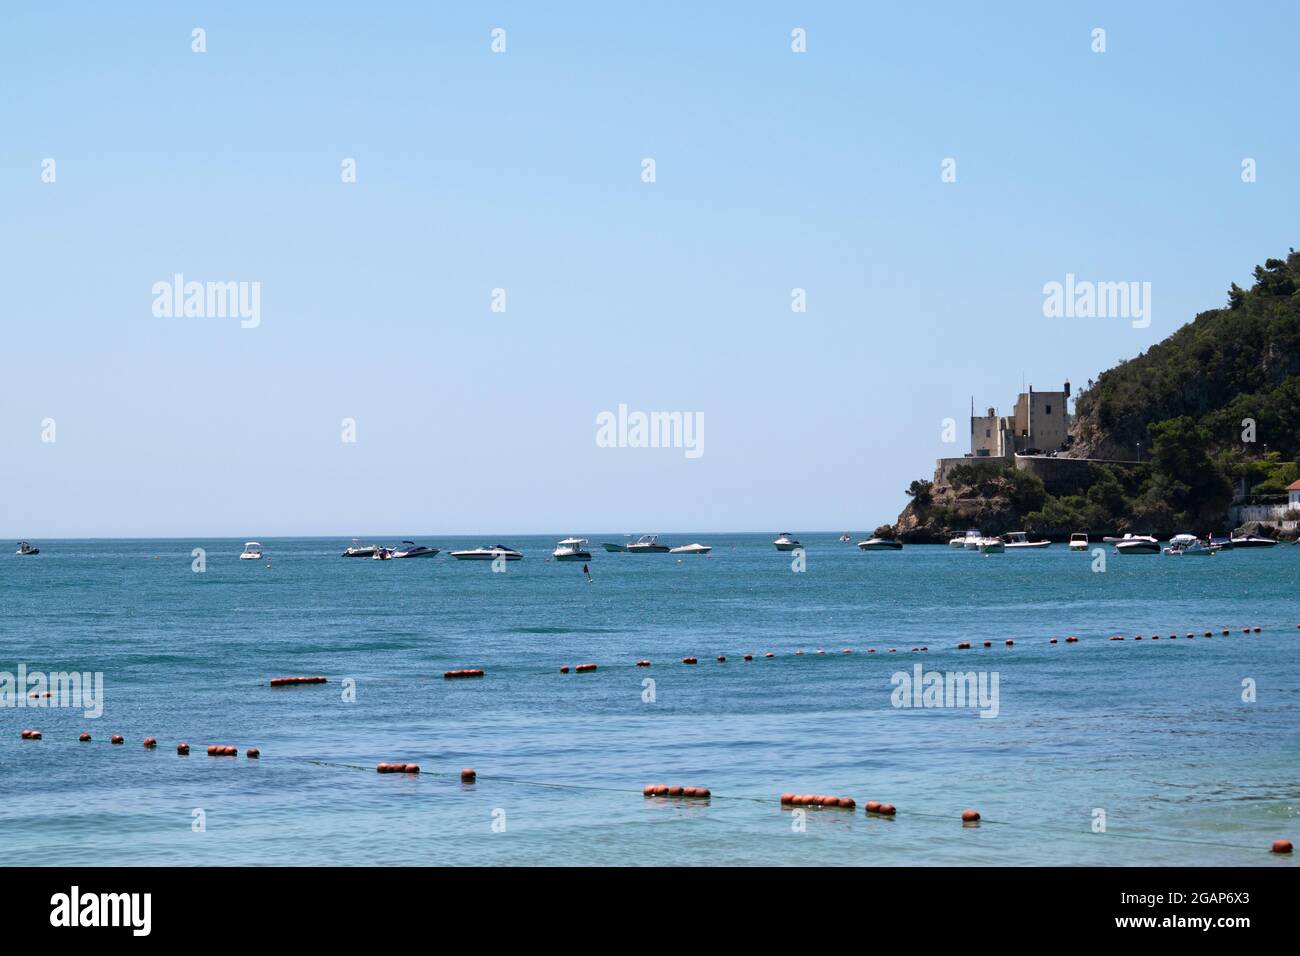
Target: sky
523,171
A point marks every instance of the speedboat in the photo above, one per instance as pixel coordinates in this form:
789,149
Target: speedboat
787,542
572,549
413,550
647,544
1137,544
1079,541
614,548
1020,539
360,551
845,538
252,551
1222,544
487,553
968,540
1180,541
382,554
991,546
691,549
1253,541
1195,547
25,548
881,544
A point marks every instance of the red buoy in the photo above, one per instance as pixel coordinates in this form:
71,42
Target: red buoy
963,646
661,790
970,816
787,798
182,749
1010,643
749,657
648,790
564,669
84,738
30,735
467,672
690,660
642,663
117,739
252,753
219,751
847,803
585,668
872,806
988,643
674,791
288,681
1072,640
769,654
887,810
468,775
150,742
1281,846
1257,630
722,659
1052,641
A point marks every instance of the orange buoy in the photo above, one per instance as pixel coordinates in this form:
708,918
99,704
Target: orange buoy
1052,641
1257,630
117,739
1072,640
787,799
150,742
988,643
84,738
722,658
182,749
585,668
468,775
252,753
770,654
847,803
887,810
1281,846
648,790
30,735
829,801
970,816
872,806
963,646
467,672
1116,637
749,657
1010,643
661,790
289,681
674,791
1225,630
1137,637
564,669
703,793
690,660
220,751
642,663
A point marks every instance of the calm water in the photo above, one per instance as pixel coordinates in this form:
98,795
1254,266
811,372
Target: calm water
1154,733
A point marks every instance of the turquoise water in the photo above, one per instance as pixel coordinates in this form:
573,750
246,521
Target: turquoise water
1154,733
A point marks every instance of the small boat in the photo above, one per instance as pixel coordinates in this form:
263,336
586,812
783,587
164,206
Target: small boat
991,546
1079,541
1137,544
1180,541
691,549
1194,548
25,548
572,549
880,544
1020,539
845,538
413,550
969,539
487,553
360,551
382,554
614,548
647,544
787,542
972,542
1252,541
252,551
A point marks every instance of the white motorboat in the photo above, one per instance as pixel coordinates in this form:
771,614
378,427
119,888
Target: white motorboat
691,549
26,549
359,550
973,541
1020,539
572,549
252,551
787,542
845,538
971,535
412,550
1137,544
1193,548
991,546
648,544
1252,541
1079,541
880,544
487,553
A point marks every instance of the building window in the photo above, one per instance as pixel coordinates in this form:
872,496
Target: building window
1049,409
988,433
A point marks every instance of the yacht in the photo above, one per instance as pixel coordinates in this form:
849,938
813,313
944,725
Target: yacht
991,546
410,549
787,542
1252,541
1020,539
614,548
881,544
25,548
691,549
252,551
1137,544
572,549
647,544
487,553
1079,541
360,550
971,535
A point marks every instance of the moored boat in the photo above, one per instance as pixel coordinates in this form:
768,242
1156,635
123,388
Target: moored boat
614,548
413,550
969,539
1020,539
1252,541
881,544
785,541
487,553
647,544
1079,541
991,546
252,551
359,550
1137,544
695,548
26,549
572,549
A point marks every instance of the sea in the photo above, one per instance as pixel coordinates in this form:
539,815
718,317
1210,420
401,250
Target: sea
1178,751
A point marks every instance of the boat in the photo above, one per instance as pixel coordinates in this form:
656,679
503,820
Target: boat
1079,541
572,549
413,550
972,542
969,539
360,550
382,554
1252,541
991,546
1137,544
1222,544
845,538
691,549
252,551
614,548
487,553
25,548
880,544
647,544
1020,539
787,542
1180,541
1193,548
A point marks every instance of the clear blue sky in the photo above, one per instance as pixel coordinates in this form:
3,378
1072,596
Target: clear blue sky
522,170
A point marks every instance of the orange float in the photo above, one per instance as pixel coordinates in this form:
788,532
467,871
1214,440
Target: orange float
289,681
84,738
970,816
150,742
585,668
117,739
182,749
252,753
1281,846
468,775
466,672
